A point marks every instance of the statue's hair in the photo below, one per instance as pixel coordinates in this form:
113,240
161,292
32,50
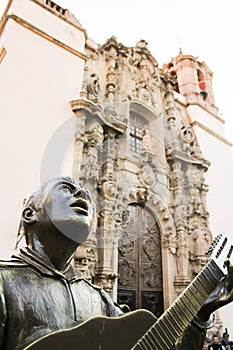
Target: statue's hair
35,199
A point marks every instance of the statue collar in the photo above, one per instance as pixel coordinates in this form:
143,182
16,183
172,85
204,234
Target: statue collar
45,267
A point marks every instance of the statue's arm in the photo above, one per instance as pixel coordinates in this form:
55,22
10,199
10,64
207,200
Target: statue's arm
194,336
3,313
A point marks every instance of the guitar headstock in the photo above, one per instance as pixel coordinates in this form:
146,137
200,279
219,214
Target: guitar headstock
221,250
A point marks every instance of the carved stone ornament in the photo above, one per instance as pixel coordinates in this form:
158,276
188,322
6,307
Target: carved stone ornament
126,244
127,273
127,218
152,276
187,139
109,186
151,248
95,135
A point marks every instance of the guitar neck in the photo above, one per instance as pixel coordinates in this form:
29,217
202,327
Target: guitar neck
171,325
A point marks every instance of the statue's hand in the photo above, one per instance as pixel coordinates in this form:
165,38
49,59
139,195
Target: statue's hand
222,295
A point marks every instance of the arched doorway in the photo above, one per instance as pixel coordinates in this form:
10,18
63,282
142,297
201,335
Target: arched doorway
140,283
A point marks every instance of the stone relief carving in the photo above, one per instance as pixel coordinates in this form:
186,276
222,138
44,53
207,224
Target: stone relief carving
115,119
147,176
130,73
180,215
182,253
85,260
126,244
94,138
169,236
127,273
187,139
151,276
108,186
151,248
127,218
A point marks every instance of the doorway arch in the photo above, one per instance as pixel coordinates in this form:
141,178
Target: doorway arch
140,282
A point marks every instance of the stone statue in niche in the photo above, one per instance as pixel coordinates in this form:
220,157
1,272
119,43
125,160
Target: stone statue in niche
93,88
146,140
145,72
201,241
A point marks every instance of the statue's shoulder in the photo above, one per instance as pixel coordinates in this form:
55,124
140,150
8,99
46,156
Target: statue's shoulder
12,263
94,286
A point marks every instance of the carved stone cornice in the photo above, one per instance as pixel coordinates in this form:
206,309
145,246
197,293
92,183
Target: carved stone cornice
107,115
180,156
84,104
112,42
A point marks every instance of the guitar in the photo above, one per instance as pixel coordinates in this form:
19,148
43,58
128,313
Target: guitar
139,330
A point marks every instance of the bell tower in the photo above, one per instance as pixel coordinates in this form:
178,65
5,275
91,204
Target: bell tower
194,80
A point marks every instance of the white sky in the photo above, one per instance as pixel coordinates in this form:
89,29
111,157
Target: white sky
202,28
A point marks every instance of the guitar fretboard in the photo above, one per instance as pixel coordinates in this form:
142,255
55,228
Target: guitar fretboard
170,326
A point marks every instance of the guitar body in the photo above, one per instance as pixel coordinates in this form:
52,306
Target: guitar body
99,333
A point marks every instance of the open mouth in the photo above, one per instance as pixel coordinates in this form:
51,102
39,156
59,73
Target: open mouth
80,206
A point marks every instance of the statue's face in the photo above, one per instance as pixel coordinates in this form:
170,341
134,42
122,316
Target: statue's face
67,208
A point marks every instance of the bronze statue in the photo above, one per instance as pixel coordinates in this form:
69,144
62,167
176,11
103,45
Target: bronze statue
40,291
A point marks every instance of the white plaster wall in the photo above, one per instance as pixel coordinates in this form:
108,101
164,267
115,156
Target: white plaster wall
211,122
220,196
46,21
38,80
219,177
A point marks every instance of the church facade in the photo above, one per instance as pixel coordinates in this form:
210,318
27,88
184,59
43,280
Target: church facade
138,154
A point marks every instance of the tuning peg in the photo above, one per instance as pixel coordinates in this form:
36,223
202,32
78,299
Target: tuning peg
230,252
213,244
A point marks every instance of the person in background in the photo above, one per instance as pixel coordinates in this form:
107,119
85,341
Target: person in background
215,345
225,342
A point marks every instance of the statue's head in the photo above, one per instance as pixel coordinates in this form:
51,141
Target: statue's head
59,208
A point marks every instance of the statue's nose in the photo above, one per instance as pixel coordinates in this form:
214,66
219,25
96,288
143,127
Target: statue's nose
80,193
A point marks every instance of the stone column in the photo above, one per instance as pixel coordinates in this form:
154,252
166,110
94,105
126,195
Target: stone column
182,260
78,144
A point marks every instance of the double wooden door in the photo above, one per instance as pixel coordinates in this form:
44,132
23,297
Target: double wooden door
140,283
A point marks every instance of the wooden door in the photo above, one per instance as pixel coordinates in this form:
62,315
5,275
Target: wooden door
140,283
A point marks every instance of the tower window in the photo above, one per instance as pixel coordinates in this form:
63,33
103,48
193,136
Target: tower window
135,134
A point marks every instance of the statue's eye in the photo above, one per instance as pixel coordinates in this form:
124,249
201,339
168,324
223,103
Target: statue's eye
65,189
